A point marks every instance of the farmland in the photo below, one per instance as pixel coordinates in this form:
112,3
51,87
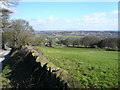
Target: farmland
91,67
59,35
65,36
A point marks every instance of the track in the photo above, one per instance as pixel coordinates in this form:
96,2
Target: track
2,57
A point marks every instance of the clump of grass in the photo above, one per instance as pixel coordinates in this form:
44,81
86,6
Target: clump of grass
4,81
16,51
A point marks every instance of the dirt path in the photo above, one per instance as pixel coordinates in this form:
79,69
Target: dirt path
2,57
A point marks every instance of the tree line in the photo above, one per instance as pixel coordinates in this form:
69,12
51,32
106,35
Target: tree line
92,42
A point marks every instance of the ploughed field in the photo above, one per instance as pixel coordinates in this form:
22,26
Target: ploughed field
91,67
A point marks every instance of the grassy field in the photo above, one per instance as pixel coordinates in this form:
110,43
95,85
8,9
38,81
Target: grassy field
91,67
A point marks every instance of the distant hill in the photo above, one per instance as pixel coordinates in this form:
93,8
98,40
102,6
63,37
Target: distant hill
102,34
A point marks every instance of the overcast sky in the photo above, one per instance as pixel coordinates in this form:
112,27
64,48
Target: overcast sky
69,15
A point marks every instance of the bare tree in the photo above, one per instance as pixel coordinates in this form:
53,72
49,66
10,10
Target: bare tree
19,33
90,41
110,43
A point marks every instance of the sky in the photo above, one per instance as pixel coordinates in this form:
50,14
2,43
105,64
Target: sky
69,15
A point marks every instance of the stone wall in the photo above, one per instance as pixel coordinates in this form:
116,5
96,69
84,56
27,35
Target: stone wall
59,72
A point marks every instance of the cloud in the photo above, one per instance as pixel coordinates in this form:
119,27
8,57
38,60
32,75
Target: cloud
94,21
52,18
100,21
67,21
77,19
51,22
102,14
115,12
97,18
69,0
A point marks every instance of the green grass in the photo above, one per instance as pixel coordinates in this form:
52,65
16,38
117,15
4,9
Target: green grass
91,67
5,82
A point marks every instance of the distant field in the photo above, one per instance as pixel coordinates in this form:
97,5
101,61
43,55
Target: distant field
66,36
60,35
91,67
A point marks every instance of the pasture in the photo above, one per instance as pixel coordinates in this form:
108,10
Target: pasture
91,67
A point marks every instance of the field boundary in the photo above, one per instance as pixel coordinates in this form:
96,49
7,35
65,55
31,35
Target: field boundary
61,73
